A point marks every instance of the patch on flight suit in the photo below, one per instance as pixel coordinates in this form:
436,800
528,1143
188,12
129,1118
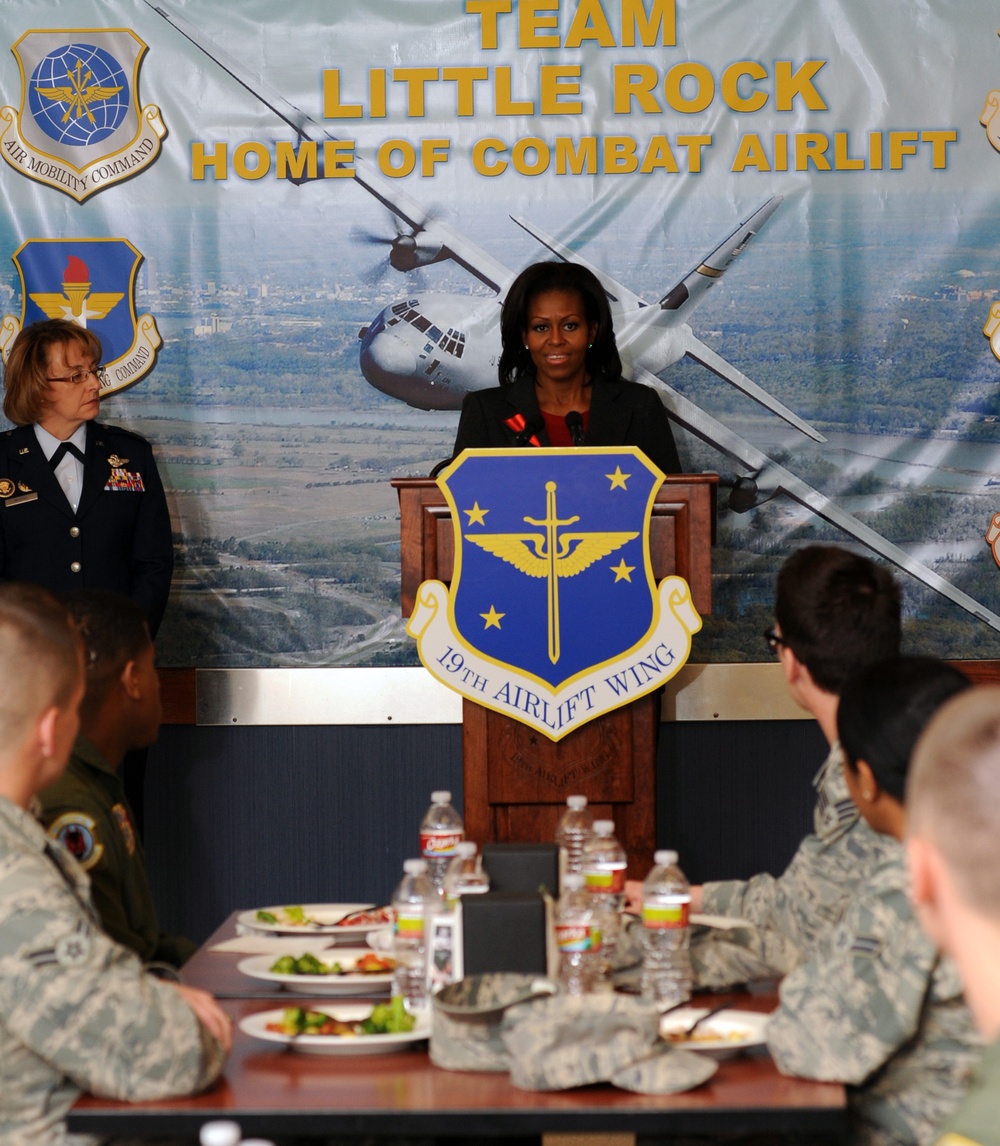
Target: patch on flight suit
76,832
124,821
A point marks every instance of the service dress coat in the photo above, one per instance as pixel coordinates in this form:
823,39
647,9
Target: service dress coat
120,536
621,414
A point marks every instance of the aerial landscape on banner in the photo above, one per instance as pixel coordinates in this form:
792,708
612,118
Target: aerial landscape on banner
293,228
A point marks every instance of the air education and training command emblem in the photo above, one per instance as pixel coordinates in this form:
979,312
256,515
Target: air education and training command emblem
90,282
80,127
553,617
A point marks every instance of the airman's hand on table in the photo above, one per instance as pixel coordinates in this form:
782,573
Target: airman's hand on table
209,1013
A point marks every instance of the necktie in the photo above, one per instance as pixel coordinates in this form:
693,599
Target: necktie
62,450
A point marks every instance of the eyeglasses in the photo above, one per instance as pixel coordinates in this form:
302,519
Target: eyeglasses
774,639
78,377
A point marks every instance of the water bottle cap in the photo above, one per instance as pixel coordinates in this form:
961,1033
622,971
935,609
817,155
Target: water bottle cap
220,1132
573,881
665,858
466,849
576,803
415,866
440,797
604,827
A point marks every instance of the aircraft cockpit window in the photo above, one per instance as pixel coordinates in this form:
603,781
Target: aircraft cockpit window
422,324
434,334
454,342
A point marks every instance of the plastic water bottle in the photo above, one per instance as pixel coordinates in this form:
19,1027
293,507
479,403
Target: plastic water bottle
666,933
578,937
465,874
220,1132
441,830
604,863
414,903
572,831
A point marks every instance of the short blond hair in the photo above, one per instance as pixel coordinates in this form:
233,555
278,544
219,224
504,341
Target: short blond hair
953,793
40,657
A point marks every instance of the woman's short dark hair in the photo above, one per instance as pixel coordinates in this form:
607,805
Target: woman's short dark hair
602,356
884,709
25,375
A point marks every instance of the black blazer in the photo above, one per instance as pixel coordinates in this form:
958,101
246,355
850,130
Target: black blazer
119,538
621,414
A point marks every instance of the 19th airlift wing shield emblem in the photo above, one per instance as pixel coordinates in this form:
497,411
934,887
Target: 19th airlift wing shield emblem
553,616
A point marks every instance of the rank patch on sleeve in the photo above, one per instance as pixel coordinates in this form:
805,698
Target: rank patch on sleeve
77,833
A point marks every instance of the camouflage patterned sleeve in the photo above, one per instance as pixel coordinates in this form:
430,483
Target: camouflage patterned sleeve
846,1011
83,1004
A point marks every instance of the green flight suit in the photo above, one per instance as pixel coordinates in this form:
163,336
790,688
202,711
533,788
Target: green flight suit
86,810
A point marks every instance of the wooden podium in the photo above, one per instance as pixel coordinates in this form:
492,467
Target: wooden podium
516,780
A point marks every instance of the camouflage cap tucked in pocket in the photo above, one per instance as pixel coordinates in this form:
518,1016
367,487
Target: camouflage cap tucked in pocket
566,1041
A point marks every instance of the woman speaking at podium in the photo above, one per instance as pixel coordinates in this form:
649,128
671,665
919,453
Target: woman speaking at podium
561,377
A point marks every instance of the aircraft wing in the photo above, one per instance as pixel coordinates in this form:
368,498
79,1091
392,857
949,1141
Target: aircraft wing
697,350
719,259
614,289
454,245
781,480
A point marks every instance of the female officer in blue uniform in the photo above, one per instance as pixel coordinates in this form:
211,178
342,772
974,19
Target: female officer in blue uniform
81,503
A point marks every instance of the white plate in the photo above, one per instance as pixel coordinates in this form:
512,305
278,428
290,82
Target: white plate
734,1030
259,967
256,1027
324,916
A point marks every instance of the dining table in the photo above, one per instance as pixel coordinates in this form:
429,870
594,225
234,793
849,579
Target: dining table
276,1090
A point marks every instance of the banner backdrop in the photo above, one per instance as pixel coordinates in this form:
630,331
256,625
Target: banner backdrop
291,226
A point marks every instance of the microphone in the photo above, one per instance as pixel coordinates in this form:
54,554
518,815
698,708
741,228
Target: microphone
574,423
530,428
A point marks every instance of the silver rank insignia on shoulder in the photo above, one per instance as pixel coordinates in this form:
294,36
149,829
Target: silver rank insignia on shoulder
74,950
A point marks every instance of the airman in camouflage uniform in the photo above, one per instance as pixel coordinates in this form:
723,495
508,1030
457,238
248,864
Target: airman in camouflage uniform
875,1006
77,1011
953,846
789,914
836,613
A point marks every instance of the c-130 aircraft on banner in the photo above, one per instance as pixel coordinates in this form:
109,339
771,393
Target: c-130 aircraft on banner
431,349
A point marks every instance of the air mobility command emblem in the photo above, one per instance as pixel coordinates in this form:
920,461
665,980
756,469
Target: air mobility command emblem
553,616
80,127
90,282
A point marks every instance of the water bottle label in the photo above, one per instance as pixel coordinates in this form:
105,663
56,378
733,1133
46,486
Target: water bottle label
435,845
409,926
660,916
605,880
573,937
